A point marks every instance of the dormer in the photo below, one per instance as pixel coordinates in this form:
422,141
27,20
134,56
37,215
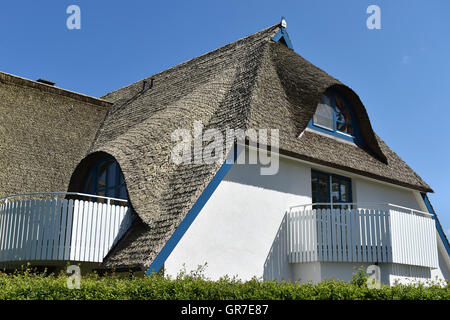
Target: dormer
335,116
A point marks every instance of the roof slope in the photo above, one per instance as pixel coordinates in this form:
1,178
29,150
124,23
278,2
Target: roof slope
45,132
250,83
303,84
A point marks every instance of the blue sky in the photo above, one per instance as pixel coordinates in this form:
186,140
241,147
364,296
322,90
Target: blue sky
401,72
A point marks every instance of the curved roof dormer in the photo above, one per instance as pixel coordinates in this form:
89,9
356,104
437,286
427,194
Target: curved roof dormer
305,84
363,134
99,173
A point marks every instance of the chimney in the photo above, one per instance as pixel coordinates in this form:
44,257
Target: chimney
47,82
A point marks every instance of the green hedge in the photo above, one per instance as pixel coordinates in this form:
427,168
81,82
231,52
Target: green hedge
29,285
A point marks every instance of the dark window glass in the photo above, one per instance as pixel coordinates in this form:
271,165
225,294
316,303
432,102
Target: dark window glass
328,188
345,191
335,191
89,185
123,192
111,192
112,173
333,114
106,179
320,188
314,185
323,191
102,175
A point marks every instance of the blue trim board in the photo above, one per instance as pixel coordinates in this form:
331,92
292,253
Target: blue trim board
190,217
282,34
438,224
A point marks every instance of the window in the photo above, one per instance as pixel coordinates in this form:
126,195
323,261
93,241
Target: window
334,116
328,190
106,179
324,116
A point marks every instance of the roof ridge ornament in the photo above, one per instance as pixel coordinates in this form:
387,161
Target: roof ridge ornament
282,35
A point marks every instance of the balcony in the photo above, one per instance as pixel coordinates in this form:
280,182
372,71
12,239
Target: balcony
382,233
52,227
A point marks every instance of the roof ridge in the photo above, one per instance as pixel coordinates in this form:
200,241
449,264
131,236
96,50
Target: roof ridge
21,81
253,92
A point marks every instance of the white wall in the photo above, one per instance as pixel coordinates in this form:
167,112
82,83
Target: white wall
234,232
306,272
374,192
443,272
276,266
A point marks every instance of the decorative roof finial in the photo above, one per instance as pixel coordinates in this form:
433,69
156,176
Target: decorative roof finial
283,22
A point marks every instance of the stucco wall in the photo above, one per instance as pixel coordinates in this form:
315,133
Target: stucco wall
374,192
43,135
239,227
235,230
443,272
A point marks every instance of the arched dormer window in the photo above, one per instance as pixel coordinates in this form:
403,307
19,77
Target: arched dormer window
334,115
106,179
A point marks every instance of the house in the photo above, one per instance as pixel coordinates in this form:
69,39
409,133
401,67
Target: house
93,180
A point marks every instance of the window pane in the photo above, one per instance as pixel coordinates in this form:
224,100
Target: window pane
341,189
346,116
339,103
112,174
323,191
102,194
102,175
345,194
342,127
314,183
123,193
320,187
105,179
335,191
111,192
343,116
89,185
324,115
349,129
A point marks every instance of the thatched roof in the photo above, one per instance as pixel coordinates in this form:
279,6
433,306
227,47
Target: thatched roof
251,83
45,132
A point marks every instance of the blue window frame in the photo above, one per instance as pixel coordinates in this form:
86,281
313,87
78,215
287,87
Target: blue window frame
106,179
335,116
330,188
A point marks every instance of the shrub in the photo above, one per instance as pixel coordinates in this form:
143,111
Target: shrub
27,284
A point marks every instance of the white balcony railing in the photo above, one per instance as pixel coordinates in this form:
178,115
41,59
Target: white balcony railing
50,227
356,233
